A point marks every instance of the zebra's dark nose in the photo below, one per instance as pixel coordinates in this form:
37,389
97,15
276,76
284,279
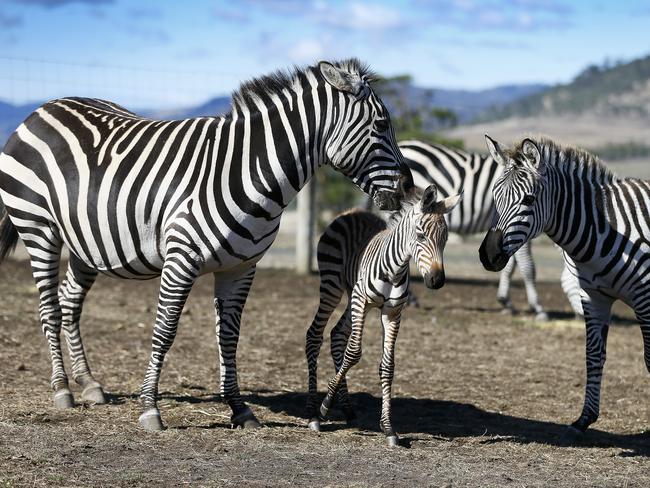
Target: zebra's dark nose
491,251
435,279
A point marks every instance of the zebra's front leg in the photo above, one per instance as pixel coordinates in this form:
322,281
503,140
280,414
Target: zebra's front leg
72,293
524,259
597,309
390,321
503,292
178,275
352,351
338,342
230,296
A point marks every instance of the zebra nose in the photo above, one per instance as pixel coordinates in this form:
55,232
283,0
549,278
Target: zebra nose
435,278
491,251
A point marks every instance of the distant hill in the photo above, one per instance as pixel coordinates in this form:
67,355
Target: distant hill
620,90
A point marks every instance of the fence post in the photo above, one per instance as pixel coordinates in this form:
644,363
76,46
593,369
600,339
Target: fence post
305,228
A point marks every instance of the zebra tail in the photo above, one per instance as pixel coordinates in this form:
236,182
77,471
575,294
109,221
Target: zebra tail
8,234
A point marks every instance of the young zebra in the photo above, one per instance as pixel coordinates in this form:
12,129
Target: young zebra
452,169
360,256
138,198
600,221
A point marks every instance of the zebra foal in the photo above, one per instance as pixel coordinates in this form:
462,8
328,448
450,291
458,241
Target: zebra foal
359,255
136,198
601,222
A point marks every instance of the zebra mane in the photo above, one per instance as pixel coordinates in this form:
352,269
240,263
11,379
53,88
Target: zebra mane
409,201
286,78
558,154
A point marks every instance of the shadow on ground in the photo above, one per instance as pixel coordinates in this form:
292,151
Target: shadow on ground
450,420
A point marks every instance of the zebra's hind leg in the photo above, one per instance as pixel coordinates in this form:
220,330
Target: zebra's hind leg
524,259
78,280
44,248
338,342
230,294
503,292
352,353
597,315
330,297
178,275
390,321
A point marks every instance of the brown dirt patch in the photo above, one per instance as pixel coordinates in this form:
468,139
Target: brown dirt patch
480,398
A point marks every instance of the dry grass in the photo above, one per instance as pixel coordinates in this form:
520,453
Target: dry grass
480,398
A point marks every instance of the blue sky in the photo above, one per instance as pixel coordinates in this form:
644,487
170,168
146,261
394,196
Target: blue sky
169,53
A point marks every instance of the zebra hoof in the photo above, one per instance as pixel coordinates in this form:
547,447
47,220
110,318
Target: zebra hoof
314,424
150,420
392,441
94,395
541,317
571,435
325,406
63,398
246,420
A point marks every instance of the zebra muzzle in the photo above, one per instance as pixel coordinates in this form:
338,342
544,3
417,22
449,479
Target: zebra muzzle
491,251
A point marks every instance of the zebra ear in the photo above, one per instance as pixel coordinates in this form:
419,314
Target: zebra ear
532,154
496,151
428,200
336,77
448,204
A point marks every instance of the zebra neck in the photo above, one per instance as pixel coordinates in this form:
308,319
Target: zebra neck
396,252
275,150
579,211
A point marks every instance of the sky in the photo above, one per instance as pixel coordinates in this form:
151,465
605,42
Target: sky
166,54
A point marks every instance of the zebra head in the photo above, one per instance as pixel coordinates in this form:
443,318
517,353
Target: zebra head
518,200
429,235
361,141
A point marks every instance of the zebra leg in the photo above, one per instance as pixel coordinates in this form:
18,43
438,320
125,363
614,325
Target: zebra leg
338,342
352,351
330,297
176,280
390,321
571,287
78,280
230,296
597,315
44,248
503,292
524,259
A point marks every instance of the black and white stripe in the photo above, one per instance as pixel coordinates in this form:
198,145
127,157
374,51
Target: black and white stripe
454,169
600,221
138,198
359,256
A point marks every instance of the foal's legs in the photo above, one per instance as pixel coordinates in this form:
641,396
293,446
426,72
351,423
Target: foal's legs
330,297
338,342
390,321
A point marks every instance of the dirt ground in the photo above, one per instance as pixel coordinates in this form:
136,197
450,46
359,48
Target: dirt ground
480,398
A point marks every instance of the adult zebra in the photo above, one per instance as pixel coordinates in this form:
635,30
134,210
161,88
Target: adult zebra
454,169
138,198
600,221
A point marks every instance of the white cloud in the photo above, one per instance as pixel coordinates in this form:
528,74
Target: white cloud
306,51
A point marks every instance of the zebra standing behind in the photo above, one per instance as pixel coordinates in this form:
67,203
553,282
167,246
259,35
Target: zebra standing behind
359,256
600,221
452,169
138,198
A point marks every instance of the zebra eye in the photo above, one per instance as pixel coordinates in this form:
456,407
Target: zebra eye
381,125
528,200
420,237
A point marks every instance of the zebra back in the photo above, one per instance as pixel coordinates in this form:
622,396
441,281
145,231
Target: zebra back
453,170
343,242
